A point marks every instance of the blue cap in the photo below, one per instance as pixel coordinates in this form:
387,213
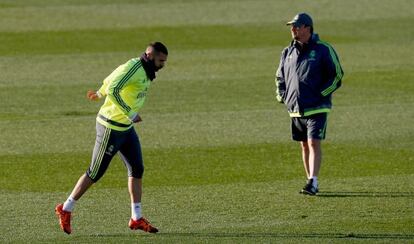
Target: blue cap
301,19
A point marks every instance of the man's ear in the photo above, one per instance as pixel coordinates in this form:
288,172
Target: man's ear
150,53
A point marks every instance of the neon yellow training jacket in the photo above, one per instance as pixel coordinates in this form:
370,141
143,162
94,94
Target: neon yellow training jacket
125,90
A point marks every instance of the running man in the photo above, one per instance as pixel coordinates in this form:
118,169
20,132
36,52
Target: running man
124,90
308,73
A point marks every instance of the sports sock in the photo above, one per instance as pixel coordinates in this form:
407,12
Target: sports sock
69,204
136,210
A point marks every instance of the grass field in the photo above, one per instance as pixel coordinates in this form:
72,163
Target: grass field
220,164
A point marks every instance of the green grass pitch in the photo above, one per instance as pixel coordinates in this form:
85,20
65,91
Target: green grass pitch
220,164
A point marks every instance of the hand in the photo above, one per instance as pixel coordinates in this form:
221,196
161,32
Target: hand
92,95
136,119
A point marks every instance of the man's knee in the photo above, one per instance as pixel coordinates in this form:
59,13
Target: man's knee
93,177
305,146
314,144
137,171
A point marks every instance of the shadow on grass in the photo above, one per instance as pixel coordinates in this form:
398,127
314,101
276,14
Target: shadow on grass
293,235
175,235
364,194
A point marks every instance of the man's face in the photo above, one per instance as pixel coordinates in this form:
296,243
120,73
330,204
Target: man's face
299,32
159,60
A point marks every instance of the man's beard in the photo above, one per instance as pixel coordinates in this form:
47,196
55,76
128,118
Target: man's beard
156,68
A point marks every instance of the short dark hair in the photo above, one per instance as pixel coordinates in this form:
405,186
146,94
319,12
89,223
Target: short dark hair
159,47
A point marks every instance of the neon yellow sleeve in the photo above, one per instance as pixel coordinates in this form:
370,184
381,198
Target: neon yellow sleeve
116,81
102,91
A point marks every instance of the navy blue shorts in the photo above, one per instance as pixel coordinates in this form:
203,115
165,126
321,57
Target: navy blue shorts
310,127
108,143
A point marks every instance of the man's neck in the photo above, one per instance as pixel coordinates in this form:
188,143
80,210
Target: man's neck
304,41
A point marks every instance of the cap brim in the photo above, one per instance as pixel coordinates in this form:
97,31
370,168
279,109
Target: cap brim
294,23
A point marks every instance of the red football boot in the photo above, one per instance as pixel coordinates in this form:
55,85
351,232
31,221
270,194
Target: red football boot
64,218
142,224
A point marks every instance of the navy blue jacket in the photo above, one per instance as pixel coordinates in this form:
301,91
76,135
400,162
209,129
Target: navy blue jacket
307,76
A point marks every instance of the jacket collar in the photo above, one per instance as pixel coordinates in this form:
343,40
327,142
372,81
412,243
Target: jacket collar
312,41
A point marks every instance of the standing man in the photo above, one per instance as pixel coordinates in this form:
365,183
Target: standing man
125,90
308,73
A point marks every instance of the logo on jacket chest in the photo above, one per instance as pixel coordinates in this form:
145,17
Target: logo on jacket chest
312,55
142,94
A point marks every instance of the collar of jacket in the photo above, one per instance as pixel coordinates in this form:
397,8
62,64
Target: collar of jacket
313,40
148,66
